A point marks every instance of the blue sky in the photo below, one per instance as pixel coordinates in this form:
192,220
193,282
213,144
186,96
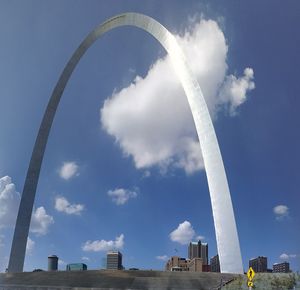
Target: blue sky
127,174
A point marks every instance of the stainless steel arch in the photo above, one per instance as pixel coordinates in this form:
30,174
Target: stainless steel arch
224,221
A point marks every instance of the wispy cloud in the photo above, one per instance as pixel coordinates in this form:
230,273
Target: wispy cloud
146,174
63,205
285,256
162,258
120,195
61,262
30,246
201,238
103,245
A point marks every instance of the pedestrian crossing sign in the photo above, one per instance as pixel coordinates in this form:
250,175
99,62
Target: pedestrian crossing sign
250,274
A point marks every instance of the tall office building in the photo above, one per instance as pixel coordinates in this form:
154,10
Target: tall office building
281,267
215,264
259,264
114,260
198,250
194,250
204,253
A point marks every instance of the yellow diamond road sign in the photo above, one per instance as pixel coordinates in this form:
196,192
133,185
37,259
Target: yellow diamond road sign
250,284
250,274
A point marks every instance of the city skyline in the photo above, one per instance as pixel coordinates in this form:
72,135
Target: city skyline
96,187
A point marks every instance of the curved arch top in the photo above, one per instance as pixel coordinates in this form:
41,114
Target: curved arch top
224,221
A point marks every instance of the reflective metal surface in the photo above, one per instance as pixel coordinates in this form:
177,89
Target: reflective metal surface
225,226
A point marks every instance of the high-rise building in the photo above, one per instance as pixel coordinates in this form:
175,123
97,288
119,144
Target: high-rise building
259,264
194,250
52,263
215,264
198,250
114,260
281,267
204,253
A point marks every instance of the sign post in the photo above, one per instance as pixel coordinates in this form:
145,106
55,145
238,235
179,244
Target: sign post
250,275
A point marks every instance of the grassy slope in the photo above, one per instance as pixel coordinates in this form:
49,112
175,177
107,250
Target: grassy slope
267,281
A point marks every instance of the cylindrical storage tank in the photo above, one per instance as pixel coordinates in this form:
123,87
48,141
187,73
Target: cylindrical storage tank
52,263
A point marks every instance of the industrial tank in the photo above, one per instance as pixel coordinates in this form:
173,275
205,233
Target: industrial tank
52,263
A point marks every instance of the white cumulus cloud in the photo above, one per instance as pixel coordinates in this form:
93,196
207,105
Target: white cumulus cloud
162,258
103,245
63,205
87,259
183,234
9,206
40,221
9,202
68,170
234,89
30,245
281,212
120,195
151,120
